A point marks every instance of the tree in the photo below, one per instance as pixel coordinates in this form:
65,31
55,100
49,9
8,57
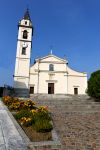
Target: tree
94,85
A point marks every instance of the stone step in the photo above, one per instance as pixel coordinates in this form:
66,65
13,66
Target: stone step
59,103
77,110
58,97
21,92
74,107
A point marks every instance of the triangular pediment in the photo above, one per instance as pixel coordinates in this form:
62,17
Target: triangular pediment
52,58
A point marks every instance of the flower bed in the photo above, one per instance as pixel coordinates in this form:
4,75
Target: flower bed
35,121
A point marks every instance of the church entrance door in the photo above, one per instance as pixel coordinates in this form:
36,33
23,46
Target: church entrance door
50,88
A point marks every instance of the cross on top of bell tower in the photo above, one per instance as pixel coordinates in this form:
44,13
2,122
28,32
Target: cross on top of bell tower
27,15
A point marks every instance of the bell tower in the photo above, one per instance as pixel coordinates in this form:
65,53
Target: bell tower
23,56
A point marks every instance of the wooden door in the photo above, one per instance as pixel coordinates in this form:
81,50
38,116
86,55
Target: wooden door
76,91
31,90
50,88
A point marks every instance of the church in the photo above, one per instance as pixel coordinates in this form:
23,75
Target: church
47,75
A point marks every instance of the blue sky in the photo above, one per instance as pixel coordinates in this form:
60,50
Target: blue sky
72,27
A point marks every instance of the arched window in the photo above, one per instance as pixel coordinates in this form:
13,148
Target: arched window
51,67
25,34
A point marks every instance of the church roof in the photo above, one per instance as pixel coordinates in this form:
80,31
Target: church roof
27,15
51,55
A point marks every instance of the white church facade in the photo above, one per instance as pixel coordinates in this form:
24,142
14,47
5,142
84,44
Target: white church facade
49,74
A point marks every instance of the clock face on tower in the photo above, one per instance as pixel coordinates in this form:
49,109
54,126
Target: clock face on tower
24,45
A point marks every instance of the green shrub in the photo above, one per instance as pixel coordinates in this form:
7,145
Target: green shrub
42,126
28,114
94,85
42,116
23,113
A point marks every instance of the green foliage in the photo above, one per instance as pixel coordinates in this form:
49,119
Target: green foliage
23,113
39,120
42,116
42,121
94,85
42,126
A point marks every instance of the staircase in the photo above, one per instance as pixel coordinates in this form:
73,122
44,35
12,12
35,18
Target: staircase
76,120
19,92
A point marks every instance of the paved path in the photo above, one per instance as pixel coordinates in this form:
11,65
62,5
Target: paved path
10,139
76,120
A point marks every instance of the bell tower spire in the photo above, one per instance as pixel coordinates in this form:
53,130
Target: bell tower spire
23,55
27,15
